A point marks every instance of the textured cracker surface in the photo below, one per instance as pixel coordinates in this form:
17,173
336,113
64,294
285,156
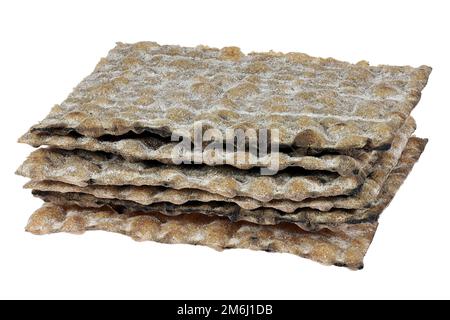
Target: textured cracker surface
342,245
147,195
314,102
308,219
83,168
142,149
346,245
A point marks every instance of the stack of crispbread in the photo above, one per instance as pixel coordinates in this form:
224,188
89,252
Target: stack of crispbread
340,134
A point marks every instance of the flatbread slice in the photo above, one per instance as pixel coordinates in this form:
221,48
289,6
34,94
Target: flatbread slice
83,168
345,246
342,245
307,219
151,148
147,195
138,148
313,102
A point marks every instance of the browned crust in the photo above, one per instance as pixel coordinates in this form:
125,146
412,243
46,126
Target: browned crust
308,219
314,102
342,245
84,168
150,194
138,149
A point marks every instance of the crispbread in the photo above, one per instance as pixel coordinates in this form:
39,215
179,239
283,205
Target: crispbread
138,149
146,195
85,168
341,245
308,219
353,162
345,246
313,102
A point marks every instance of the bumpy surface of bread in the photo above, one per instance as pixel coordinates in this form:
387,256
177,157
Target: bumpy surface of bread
313,102
139,148
307,219
344,246
46,165
85,168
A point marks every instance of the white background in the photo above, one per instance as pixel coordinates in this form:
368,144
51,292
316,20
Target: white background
47,47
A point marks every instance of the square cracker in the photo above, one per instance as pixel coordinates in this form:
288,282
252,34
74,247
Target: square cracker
61,169
313,102
306,218
341,245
